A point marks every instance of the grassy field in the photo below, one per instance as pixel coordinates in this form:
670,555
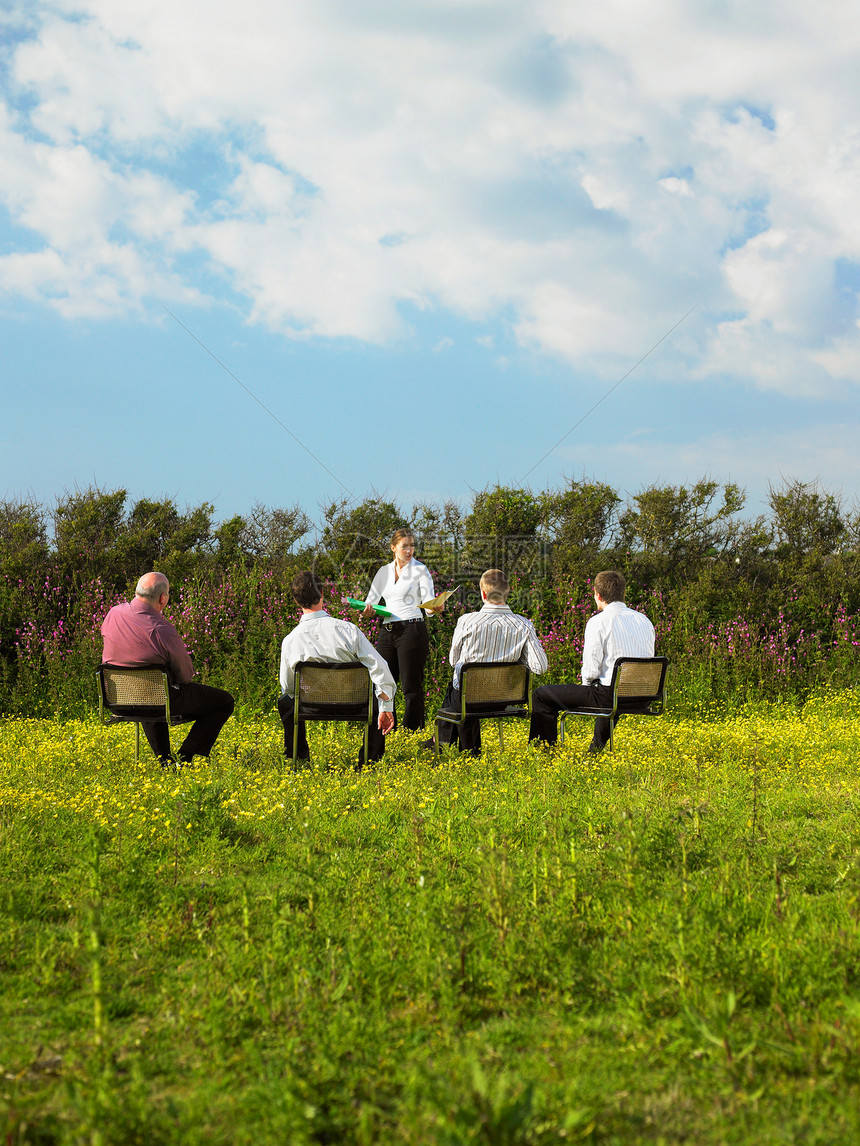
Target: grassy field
657,946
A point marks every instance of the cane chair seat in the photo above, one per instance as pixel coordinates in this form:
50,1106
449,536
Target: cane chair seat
638,689
332,691
134,695
490,691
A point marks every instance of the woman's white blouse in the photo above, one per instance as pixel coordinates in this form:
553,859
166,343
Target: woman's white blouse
413,585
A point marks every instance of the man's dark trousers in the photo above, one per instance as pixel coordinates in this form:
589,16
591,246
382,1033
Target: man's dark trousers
551,699
467,734
210,709
286,709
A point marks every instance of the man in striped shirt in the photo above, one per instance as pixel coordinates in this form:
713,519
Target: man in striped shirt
614,631
495,633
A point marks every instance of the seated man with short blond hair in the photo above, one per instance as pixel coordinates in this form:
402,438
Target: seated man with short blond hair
495,633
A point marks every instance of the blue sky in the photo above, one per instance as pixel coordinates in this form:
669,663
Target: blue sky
428,237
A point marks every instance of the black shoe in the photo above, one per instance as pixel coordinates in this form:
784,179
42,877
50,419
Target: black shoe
431,744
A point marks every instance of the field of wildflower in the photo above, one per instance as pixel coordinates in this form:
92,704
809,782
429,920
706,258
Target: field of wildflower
657,945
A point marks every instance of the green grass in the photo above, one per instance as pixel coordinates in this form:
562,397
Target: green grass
657,946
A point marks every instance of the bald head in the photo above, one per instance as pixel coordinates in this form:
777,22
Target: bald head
154,588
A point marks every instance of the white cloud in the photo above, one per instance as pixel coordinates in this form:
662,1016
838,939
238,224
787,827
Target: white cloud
590,171
87,82
842,359
676,186
98,240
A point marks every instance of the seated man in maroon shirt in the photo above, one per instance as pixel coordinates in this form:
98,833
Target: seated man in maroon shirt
136,635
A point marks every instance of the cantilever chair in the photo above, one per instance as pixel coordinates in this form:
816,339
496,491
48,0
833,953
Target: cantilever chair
490,690
135,695
332,691
638,689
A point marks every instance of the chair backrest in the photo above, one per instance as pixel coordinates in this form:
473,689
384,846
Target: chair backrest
640,678
332,683
488,682
134,692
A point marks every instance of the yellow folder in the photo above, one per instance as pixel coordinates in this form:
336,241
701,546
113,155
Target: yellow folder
438,600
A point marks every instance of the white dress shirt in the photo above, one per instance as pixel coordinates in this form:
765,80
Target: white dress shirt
614,632
402,597
320,637
496,634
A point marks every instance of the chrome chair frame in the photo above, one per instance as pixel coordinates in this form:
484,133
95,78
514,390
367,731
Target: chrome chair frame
638,689
507,684
133,695
310,681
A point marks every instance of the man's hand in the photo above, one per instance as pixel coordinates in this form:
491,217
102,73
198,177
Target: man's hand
386,722
367,611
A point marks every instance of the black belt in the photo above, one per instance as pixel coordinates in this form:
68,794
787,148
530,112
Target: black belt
411,621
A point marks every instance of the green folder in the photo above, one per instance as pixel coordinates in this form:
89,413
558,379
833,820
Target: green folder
380,609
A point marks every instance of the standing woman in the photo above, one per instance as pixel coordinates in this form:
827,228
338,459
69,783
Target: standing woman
403,640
